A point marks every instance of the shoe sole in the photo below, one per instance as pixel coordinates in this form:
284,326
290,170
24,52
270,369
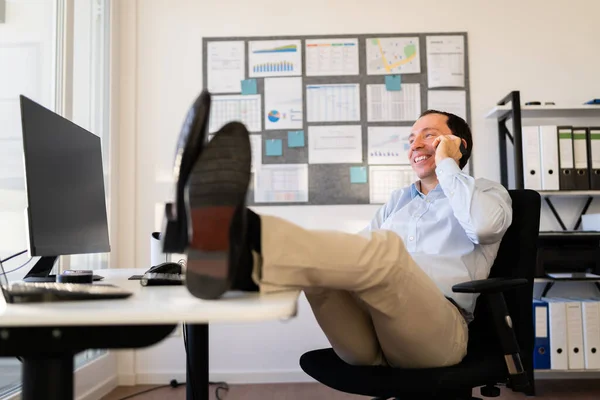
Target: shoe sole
216,189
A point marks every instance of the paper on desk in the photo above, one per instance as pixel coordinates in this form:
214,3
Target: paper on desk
335,144
281,183
396,105
445,61
225,66
388,144
452,101
283,103
384,180
242,108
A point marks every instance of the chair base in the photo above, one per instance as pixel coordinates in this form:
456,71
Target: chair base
458,395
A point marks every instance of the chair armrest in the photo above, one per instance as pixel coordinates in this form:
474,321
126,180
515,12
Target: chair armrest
491,285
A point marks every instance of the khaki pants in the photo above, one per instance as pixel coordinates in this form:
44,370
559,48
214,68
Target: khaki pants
372,301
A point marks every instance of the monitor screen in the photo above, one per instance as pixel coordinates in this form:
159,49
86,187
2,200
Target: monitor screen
66,205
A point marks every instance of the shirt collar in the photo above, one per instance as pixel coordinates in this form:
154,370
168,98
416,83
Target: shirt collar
415,191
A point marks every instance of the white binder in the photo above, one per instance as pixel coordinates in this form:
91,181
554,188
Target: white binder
575,335
550,168
591,332
532,177
559,355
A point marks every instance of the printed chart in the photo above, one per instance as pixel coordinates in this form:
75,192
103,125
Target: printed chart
331,103
275,58
335,144
331,57
388,145
399,105
280,183
384,180
245,109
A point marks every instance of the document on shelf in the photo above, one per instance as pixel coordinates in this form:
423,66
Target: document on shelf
274,58
335,144
333,103
452,101
281,183
445,61
331,57
283,103
225,66
397,105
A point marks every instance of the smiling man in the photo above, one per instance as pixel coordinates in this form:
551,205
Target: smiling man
382,297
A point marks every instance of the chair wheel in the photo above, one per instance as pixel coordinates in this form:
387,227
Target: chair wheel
490,391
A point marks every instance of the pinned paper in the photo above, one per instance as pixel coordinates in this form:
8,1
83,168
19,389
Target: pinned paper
358,174
249,86
393,82
274,147
296,139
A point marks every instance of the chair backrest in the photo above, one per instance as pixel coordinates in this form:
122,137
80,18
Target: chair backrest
516,259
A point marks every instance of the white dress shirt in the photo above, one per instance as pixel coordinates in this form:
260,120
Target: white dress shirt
453,232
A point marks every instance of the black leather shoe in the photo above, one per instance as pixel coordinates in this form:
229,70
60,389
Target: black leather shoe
216,203
176,233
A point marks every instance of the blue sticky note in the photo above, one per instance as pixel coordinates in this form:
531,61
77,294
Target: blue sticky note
358,174
296,139
393,82
249,86
274,147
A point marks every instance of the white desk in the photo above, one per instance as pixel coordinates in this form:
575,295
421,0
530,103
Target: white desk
48,335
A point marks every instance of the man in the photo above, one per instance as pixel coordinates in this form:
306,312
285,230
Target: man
382,297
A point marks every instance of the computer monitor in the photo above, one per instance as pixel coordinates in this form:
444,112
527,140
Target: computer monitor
66,205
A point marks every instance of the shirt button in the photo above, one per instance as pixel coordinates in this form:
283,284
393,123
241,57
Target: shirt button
411,238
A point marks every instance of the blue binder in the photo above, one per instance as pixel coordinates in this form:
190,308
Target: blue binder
541,328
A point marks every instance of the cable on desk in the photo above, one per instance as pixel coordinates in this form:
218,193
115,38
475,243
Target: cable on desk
220,385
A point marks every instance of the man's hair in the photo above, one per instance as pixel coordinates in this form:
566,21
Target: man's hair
459,128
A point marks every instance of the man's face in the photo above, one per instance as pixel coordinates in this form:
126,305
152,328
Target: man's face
421,152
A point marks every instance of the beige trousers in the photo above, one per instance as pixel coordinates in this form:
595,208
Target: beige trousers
372,301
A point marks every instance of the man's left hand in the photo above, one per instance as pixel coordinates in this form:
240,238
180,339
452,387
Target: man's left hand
448,146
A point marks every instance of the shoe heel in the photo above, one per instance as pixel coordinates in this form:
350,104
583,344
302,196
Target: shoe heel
207,273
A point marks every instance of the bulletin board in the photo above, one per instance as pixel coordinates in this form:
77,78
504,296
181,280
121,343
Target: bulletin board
329,116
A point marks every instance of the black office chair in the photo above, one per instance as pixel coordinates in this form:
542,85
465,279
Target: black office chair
500,348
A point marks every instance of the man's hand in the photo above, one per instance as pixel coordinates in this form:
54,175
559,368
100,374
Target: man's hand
447,146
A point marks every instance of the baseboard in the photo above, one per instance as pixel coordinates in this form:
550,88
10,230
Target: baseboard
100,390
126,380
239,377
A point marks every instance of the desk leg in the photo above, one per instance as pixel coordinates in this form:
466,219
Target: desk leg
197,362
48,378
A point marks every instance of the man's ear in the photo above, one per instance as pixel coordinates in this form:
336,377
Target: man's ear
463,146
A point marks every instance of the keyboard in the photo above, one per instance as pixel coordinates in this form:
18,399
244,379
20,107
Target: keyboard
20,292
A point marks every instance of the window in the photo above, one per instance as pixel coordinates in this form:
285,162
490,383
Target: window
56,53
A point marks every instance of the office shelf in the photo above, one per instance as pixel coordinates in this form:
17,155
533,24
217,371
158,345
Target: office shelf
569,193
574,111
510,108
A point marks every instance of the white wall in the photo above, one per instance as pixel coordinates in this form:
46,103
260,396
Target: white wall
547,50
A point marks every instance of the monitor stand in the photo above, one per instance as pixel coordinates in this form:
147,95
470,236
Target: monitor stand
40,272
